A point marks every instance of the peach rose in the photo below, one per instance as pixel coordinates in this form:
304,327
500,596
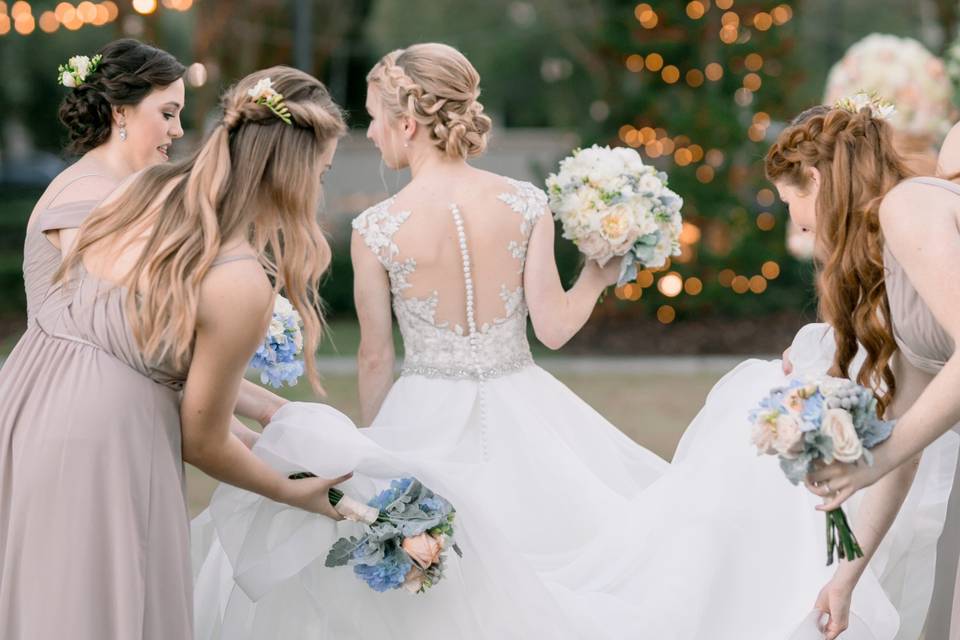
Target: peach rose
424,549
413,581
763,435
788,440
621,248
615,224
838,425
595,247
794,401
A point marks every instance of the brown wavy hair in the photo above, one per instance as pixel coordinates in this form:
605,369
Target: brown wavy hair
858,165
128,71
438,87
255,176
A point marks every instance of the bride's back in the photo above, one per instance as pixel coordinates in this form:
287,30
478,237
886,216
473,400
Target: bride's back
494,234
454,247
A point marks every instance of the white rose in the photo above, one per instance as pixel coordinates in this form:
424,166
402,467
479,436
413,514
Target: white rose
605,169
81,65
587,157
276,328
630,158
282,306
651,184
616,223
67,80
838,425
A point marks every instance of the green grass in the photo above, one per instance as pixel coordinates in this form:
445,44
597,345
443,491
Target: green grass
651,409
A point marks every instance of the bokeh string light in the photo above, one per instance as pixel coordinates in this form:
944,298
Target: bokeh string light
19,17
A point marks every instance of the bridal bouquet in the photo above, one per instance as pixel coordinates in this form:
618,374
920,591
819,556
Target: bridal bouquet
278,358
612,205
408,527
820,419
903,71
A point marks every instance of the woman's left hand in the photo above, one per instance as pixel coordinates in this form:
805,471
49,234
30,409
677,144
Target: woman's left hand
606,275
837,481
834,600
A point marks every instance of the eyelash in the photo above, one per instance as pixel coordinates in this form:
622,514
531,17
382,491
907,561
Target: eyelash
168,116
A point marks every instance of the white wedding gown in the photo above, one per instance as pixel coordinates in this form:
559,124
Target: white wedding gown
568,528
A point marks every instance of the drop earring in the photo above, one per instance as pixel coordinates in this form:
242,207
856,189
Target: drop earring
123,130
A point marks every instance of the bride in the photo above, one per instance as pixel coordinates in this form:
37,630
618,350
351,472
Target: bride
568,528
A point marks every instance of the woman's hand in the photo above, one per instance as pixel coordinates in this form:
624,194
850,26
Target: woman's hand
834,600
786,362
312,494
837,481
606,275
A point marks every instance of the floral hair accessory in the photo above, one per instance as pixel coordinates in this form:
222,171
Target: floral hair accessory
879,108
264,93
77,69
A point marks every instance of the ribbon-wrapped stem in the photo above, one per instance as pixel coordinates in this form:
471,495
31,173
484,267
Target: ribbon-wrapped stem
346,506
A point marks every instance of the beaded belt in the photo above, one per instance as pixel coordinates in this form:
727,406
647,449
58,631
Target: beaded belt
468,372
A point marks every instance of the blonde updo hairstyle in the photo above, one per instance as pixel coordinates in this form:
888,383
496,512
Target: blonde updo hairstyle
438,87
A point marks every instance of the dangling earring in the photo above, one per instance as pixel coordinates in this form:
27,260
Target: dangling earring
123,130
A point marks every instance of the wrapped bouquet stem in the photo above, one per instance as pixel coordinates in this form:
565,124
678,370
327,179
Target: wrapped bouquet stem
825,420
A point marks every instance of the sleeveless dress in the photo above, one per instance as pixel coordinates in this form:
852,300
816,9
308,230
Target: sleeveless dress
93,518
925,345
41,258
569,529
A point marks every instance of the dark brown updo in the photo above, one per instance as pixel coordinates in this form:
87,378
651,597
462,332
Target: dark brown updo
128,71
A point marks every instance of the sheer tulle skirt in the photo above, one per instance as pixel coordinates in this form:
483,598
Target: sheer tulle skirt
568,528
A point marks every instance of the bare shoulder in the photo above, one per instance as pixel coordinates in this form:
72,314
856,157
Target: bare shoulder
239,289
914,209
497,184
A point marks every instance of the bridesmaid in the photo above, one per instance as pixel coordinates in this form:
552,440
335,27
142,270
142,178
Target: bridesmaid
122,115
888,281
168,287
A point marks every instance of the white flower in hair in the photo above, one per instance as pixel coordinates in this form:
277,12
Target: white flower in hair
879,108
262,90
77,69
264,93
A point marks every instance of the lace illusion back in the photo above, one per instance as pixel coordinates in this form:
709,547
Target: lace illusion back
456,277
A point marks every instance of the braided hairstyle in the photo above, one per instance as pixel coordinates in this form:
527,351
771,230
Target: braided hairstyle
128,71
858,165
438,87
255,176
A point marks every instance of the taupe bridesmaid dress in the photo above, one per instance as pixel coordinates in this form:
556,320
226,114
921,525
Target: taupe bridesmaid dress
93,517
925,345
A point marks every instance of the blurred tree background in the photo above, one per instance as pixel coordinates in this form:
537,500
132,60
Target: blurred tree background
698,87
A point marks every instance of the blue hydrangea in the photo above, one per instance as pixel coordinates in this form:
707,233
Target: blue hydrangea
812,412
434,504
278,357
387,574
388,496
